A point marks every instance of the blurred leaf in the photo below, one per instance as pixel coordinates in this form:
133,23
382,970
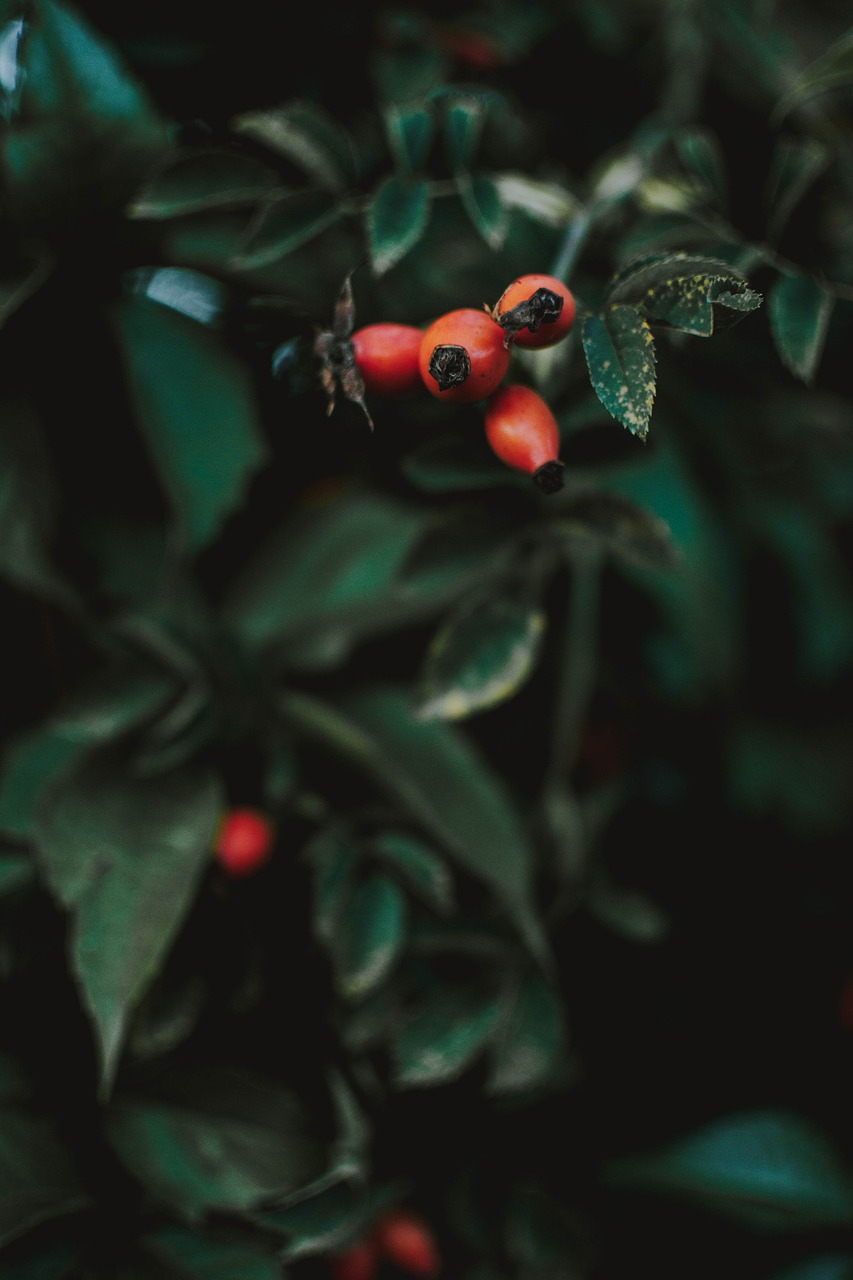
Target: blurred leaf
306,135
527,1048
833,69
284,223
773,1169
29,762
397,217
481,197
620,356
408,74
327,1223
227,1144
463,126
194,1256
627,912
84,132
442,1037
324,566
17,286
38,1179
28,505
192,181
827,1266
629,532
334,859
701,154
795,164
419,866
17,871
435,773
124,856
799,313
451,464
166,1015
410,133
370,936
481,655
549,203
197,408
537,1232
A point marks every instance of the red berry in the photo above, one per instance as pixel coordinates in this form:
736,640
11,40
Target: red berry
535,311
523,432
358,1262
463,356
407,1240
244,841
387,358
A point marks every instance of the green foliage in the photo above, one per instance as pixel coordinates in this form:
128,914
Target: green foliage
552,945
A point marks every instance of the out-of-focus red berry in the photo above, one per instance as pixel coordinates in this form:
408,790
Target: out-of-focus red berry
407,1240
358,1262
244,841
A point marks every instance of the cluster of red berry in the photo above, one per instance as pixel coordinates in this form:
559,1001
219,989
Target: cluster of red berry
402,1238
462,357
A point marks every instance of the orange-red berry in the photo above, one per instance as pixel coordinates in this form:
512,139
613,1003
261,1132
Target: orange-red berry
463,356
358,1262
535,311
244,841
522,431
387,358
407,1240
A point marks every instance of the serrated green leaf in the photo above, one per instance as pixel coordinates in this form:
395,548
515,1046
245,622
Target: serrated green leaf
196,1256
833,69
85,131
227,1141
438,778
632,282
38,1178
700,304
422,870
442,1037
771,1168
485,207
620,357
463,126
197,408
193,181
371,934
482,654
283,224
526,1050
397,217
306,135
124,856
799,311
410,133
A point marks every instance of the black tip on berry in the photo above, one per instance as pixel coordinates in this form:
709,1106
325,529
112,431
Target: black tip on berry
549,477
450,366
542,307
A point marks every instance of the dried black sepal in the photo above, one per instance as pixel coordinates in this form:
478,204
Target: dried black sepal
450,366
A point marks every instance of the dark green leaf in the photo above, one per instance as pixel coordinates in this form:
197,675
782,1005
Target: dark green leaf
232,1143
701,154
452,464
620,356
329,1222
629,913
197,408
328,564
22,283
193,181
625,529
125,857
539,1231
774,1169
481,655
485,207
700,305
799,313
827,1266
333,859
410,133
833,69
38,1180
634,281
370,936
463,125
527,1048
17,871
195,1256
284,224
306,135
408,74
419,866
29,763
795,164
85,131
442,1037
435,773
397,217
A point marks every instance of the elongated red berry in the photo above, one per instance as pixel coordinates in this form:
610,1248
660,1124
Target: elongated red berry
523,433
244,841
